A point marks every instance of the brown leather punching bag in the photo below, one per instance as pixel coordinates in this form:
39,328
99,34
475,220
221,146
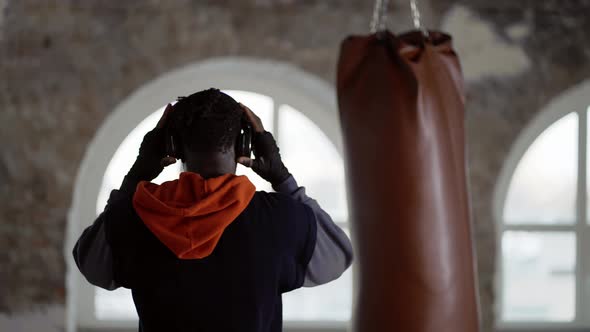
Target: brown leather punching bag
402,111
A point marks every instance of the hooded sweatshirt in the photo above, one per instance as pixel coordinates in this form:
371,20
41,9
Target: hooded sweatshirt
211,254
189,215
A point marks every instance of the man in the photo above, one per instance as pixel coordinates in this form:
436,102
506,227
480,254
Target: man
206,252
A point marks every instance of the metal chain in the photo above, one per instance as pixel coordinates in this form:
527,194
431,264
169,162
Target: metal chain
416,17
379,15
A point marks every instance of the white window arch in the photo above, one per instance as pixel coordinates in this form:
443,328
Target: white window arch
298,108
541,208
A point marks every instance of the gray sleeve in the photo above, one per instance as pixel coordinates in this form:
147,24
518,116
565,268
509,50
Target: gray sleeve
93,255
332,254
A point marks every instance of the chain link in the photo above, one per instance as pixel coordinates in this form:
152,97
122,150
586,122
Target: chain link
416,17
379,15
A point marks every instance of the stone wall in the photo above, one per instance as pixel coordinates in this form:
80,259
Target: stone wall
65,64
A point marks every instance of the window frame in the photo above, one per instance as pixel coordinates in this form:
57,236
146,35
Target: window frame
574,100
284,83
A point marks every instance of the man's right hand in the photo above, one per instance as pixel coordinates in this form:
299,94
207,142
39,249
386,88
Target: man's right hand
268,163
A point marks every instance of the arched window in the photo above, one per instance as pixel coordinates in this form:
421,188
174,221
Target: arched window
542,211
297,108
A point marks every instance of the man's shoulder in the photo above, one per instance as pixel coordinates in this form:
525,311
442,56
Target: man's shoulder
279,203
293,221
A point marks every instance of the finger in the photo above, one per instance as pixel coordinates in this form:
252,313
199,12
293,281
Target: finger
246,161
253,118
162,121
167,161
249,113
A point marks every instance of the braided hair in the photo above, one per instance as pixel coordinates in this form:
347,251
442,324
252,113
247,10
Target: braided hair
206,121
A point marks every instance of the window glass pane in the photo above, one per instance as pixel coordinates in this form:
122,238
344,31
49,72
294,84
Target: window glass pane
114,305
543,187
263,106
313,160
538,276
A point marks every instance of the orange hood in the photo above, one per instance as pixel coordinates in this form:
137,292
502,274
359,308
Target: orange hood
189,214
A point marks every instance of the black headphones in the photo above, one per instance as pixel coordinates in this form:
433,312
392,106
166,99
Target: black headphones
244,142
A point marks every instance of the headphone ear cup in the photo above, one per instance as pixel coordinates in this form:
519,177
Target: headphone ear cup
244,142
248,141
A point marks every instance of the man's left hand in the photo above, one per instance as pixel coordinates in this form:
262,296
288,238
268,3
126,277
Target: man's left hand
152,157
